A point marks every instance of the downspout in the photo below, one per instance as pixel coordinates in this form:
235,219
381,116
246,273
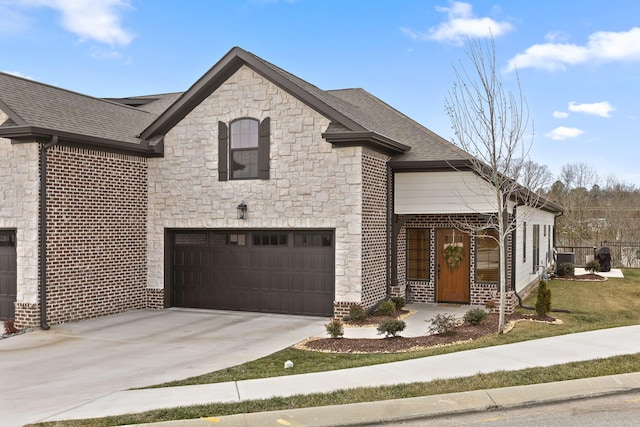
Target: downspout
391,273
43,231
513,261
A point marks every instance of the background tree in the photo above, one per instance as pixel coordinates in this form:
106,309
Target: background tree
490,123
597,211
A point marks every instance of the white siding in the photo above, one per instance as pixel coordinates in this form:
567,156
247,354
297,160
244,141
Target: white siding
442,193
525,272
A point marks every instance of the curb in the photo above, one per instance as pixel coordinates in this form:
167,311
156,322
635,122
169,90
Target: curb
417,408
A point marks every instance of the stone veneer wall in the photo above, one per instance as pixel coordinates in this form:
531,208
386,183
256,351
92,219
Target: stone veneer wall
312,184
374,227
424,291
19,187
96,233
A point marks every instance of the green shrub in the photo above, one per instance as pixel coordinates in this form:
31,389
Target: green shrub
335,328
475,316
387,307
565,269
390,328
399,302
443,324
357,313
592,266
543,301
9,327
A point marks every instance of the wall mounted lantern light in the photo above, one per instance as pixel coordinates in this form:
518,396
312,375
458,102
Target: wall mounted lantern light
242,211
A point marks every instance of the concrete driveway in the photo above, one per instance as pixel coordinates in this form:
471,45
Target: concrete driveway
43,373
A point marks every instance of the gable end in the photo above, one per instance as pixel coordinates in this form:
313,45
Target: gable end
222,71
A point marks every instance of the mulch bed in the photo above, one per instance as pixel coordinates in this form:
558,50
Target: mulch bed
464,332
375,318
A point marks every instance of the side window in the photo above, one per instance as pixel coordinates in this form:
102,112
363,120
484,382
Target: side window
524,242
536,248
417,253
243,149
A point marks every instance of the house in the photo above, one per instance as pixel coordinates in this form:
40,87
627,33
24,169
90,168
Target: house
253,190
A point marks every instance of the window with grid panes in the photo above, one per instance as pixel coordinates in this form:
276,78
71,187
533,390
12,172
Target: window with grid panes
417,254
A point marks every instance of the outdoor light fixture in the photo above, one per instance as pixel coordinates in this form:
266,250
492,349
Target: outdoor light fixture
242,210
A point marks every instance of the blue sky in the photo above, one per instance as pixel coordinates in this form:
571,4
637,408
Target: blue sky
578,61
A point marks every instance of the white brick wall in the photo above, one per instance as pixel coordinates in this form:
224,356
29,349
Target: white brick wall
19,186
312,184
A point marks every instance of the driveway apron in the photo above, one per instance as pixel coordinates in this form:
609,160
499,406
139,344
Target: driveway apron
48,372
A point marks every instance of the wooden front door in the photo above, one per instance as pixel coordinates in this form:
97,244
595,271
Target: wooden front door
453,254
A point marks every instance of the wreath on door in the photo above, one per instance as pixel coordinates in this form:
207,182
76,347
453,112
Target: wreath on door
453,256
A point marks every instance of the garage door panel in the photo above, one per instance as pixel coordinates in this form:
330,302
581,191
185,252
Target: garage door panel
254,271
8,274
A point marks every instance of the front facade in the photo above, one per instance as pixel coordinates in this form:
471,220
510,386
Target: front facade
253,190
437,211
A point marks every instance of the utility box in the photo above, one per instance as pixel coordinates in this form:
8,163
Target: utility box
566,257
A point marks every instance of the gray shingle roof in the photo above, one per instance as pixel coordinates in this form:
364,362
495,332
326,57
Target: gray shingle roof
42,106
386,120
351,110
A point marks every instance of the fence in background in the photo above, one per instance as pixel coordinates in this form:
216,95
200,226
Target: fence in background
623,254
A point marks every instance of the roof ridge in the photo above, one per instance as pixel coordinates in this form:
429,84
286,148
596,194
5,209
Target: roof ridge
69,91
144,96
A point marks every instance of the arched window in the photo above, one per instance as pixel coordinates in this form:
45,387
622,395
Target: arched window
244,149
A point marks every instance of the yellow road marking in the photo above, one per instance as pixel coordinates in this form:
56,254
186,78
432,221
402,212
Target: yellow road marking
212,419
493,419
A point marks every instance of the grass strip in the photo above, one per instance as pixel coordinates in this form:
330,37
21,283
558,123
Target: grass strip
575,370
593,305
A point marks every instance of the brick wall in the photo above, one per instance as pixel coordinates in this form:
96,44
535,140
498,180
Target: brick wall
96,233
423,291
374,227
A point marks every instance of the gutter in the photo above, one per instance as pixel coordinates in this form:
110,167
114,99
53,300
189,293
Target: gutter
43,231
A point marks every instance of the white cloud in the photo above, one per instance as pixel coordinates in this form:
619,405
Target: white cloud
11,20
102,55
602,109
603,46
461,24
97,20
561,133
560,115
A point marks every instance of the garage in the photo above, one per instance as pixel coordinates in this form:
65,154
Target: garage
273,271
8,267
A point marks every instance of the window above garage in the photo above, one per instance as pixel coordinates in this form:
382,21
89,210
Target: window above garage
243,149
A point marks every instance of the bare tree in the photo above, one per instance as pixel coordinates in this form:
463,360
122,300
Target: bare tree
490,123
596,208
533,176
572,190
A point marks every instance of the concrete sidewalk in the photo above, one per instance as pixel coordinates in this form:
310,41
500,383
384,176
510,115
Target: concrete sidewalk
417,408
537,353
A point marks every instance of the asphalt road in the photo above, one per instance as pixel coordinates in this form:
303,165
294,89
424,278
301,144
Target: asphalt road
618,410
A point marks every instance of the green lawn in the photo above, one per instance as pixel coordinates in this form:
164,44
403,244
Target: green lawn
593,305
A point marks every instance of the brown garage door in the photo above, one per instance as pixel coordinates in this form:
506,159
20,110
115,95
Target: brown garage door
8,284
271,271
